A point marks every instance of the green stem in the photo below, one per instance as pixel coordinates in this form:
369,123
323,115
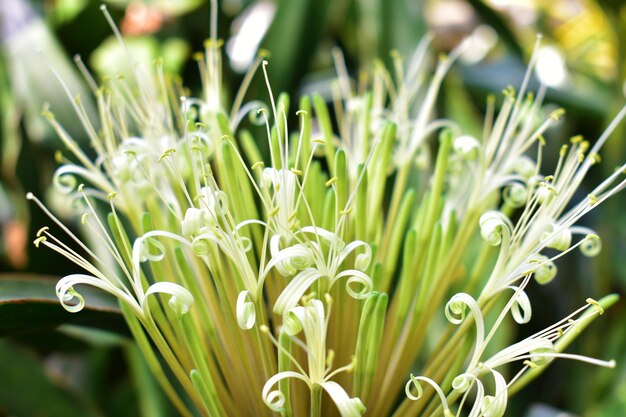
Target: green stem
316,401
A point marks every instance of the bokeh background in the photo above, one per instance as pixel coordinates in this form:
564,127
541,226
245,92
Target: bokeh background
55,364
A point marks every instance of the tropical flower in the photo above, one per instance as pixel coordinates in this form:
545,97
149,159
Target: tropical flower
266,270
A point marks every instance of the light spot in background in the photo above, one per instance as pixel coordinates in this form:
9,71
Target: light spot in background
141,19
550,68
248,31
483,39
449,13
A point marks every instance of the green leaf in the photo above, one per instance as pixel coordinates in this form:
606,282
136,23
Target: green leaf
28,303
27,391
294,33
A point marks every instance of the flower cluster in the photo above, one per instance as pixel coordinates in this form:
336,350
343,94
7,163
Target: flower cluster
267,270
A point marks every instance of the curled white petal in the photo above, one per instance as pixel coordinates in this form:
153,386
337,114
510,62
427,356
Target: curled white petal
521,310
246,312
332,238
478,399
414,382
348,407
591,246
515,195
275,400
494,227
196,221
294,291
359,279
363,259
64,179
544,269
463,382
519,351
66,293
467,147
542,353
455,313
151,250
495,405
558,239
180,301
290,260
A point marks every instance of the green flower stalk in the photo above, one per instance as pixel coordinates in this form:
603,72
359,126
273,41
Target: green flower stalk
311,282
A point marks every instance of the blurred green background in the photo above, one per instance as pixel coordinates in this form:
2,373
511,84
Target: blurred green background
56,364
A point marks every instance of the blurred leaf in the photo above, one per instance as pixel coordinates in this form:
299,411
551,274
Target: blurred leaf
169,7
403,26
499,24
110,58
30,48
459,107
587,102
291,39
540,410
27,391
66,10
29,303
152,401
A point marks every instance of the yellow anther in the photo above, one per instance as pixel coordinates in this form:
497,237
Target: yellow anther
210,43
530,364
319,141
563,150
331,181
596,304
167,153
296,171
48,115
58,157
592,199
258,164
595,158
39,240
81,187
584,145
274,212
556,115
509,92
264,53
83,218
42,231
576,139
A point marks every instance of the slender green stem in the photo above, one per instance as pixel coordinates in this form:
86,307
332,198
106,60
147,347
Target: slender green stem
316,401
